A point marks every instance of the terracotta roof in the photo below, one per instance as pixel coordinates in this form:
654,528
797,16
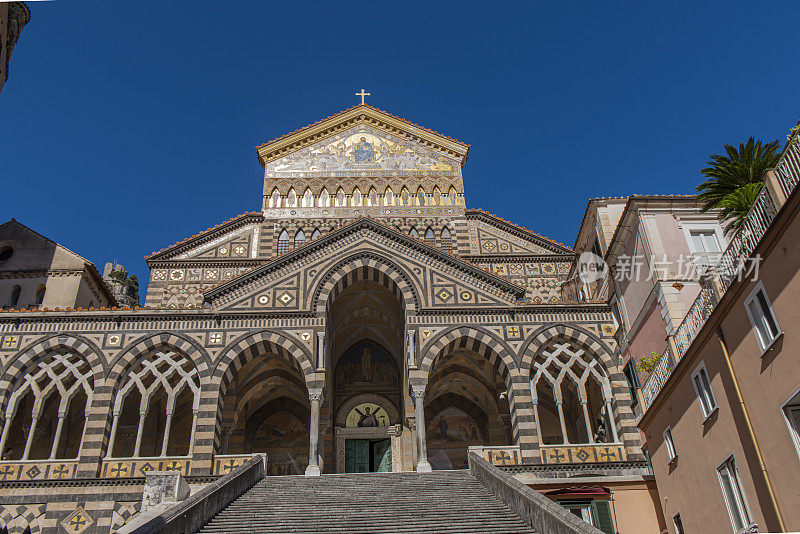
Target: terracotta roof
518,227
221,225
415,125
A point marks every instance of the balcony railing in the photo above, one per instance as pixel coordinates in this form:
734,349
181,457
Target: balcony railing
732,265
658,376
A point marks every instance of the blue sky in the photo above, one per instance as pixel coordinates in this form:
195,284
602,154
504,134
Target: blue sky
128,126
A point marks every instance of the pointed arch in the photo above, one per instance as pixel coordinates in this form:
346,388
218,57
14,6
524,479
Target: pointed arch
275,198
284,245
291,198
355,199
324,199
419,199
452,197
388,197
315,234
308,198
299,238
437,197
340,199
372,197
430,237
447,240
413,233
405,198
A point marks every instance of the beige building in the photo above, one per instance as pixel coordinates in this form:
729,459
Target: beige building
13,16
36,272
722,409
657,246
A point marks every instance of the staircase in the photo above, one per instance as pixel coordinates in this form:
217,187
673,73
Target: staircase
431,503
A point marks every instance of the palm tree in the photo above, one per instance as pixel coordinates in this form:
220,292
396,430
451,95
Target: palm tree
735,179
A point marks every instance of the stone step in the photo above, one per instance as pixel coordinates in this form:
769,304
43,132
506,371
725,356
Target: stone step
444,502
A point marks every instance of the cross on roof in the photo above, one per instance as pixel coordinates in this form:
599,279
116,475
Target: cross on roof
362,94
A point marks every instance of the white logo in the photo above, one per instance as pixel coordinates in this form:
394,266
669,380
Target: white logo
591,267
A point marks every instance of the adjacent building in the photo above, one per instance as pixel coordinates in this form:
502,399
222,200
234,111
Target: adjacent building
722,407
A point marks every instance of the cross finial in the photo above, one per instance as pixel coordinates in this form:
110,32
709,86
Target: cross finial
362,94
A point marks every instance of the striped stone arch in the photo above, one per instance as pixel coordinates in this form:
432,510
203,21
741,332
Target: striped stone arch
501,355
17,518
480,341
624,417
365,266
24,359
238,353
144,346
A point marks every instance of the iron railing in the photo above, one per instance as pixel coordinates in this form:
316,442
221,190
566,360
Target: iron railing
658,377
733,264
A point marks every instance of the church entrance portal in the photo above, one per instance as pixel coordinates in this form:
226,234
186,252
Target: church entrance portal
368,455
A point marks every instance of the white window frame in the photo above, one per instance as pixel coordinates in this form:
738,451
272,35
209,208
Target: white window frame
707,411
747,516
702,226
752,297
669,443
792,404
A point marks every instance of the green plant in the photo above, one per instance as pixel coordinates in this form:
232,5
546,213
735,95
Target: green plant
734,179
648,363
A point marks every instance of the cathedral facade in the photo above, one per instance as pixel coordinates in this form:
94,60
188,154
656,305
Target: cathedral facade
364,319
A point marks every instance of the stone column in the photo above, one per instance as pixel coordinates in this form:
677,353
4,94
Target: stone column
320,351
418,392
31,432
314,395
611,422
412,357
57,437
588,423
565,439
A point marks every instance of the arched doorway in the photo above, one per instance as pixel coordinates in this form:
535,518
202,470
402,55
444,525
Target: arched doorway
466,404
365,340
266,409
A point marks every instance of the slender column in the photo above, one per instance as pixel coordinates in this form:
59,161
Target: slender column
565,439
194,430
4,437
28,443
112,439
423,466
611,422
57,437
83,435
320,351
412,357
167,426
586,420
139,432
314,395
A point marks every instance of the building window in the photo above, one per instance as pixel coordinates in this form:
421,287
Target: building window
447,240
283,243
15,296
430,237
413,233
731,483
791,414
39,295
762,317
704,241
633,379
315,234
6,252
596,513
702,386
676,520
670,444
299,238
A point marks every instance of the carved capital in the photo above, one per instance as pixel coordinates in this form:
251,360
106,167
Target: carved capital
418,392
315,394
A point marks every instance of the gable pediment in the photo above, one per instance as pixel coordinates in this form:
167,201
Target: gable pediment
389,128
492,235
295,281
361,148
235,239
